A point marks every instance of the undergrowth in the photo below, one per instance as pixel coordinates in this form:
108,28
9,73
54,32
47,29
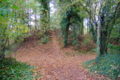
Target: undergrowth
14,70
108,66
45,39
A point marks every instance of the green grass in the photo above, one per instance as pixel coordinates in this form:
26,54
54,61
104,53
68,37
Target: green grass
14,70
109,65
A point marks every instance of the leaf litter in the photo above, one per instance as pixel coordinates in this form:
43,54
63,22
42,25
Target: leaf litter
52,63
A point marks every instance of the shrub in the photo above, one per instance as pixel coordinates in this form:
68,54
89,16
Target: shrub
109,65
38,35
85,43
44,39
113,49
11,70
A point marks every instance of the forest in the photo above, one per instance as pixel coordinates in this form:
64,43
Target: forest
59,39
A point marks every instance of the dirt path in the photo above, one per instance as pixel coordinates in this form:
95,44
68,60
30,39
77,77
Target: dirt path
52,63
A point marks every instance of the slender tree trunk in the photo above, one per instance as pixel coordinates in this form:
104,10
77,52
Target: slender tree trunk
2,40
29,19
66,36
93,32
118,39
2,51
82,29
104,42
2,45
35,22
87,28
49,17
74,35
98,42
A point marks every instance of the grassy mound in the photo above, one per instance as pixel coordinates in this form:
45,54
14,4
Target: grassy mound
108,66
11,70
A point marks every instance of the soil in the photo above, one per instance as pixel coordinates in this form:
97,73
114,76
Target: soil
51,61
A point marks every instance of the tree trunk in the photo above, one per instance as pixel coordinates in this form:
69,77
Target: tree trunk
35,22
29,19
82,29
98,42
66,36
2,50
104,42
49,17
2,55
93,32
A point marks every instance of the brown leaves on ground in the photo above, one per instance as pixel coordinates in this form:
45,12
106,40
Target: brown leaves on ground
52,63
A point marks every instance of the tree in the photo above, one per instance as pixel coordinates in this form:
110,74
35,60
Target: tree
4,5
108,13
71,18
45,15
12,22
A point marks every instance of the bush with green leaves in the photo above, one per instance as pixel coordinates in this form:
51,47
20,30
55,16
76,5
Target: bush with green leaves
109,65
14,70
85,41
44,39
113,49
115,34
38,35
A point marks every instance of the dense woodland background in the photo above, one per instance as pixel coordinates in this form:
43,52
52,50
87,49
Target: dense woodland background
86,25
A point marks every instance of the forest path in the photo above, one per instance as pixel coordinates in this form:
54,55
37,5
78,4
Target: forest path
52,63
